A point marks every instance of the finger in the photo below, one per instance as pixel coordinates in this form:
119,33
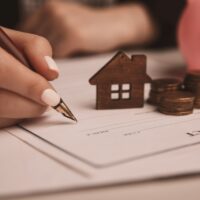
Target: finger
47,30
44,30
8,122
32,22
38,18
19,79
18,107
56,38
38,51
62,48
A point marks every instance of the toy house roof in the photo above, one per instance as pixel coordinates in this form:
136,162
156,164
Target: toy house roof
122,69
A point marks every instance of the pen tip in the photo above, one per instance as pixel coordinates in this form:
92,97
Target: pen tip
63,109
73,118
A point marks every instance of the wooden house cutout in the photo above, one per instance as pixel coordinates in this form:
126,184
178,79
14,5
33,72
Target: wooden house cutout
120,83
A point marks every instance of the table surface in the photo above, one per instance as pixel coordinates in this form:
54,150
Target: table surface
177,188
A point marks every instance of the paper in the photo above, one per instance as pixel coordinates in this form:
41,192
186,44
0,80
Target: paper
24,169
106,138
116,137
112,146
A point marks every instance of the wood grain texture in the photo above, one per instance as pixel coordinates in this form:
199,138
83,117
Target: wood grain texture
128,76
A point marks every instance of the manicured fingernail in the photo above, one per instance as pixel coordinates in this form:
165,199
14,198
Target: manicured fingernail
50,97
51,64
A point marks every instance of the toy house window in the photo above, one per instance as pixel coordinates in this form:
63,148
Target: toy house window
126,87
126,91
126,95
114,96
114,87
115,92
121,91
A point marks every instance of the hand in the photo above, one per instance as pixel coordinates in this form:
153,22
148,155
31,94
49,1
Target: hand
72,27
21,89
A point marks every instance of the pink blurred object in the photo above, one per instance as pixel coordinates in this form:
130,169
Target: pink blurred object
189,34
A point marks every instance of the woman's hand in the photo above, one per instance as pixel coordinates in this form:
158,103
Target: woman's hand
72,27
22,90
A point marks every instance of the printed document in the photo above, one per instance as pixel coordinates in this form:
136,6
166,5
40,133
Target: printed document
112,146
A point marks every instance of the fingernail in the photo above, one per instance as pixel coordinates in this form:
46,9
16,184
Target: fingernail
51,64
50,97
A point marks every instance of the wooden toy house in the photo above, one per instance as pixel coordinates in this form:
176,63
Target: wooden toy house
120,83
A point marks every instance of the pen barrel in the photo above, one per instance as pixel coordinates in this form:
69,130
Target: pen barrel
7,44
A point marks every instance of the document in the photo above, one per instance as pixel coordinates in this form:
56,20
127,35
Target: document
23,169
113,146
104,138
112,138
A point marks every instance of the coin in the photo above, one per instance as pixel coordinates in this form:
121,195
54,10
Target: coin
177,103
160,87
197,105
193,74
197,102
166,84
175,113
178,97
192,84
154,97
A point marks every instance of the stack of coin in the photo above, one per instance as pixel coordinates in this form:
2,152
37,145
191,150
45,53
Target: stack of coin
160,87
177,103
192,84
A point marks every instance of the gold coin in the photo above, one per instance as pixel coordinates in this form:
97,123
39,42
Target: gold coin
160,86
193,74
197,102
177,103
178,107
178,97
166,84
154,97
187,112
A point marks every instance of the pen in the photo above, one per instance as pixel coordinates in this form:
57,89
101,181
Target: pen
8,45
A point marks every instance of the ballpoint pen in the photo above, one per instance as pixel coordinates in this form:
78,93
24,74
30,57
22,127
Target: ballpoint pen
8,45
